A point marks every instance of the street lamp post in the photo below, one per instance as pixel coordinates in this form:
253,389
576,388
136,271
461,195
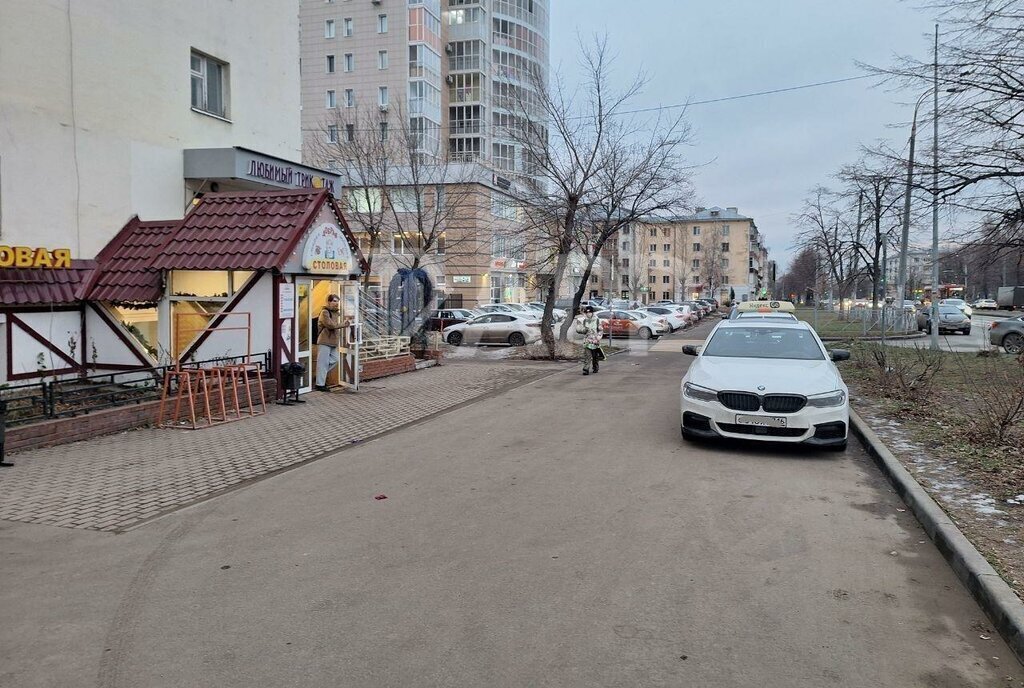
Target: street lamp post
901,278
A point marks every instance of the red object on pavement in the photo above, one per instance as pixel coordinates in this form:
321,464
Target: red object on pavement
381,497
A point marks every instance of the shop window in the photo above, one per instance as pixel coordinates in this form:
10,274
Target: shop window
142,324
200,283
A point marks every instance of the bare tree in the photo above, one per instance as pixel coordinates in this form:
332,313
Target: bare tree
585,165
882,195
981,81
824,226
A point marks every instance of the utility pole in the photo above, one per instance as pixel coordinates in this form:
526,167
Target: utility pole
935,197
901,279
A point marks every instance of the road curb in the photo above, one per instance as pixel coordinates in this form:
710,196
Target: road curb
1001,604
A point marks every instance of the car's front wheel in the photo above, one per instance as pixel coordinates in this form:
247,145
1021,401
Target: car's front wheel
1013,343
645,333
516,339
455,338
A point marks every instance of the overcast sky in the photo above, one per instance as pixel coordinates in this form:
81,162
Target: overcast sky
765,153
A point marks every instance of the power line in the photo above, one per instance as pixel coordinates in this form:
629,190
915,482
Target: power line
787,89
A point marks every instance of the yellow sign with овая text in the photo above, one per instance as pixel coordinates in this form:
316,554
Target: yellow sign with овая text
28,257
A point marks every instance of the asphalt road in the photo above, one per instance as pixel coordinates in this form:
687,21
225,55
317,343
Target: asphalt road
560,534
977,340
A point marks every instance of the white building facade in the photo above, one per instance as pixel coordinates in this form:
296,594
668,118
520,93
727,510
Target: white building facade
98,116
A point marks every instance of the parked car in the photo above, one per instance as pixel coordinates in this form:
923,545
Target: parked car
698,309
623,324
985,305
440,319
559,313
676,318
909,305
525,309
959,303
1008,334
494,328
951,319
658,323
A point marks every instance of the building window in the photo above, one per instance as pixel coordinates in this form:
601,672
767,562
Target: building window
625,245
725,246
382,59
725,262
350,98
696,231
665,295
652,279
382,23
665,231
329,28
350,62
382,95
625,280
725,230
665,279
440,244
625,262
332,133
652,248
665,263
348,26
696,263
652,263
439,281
332,100
350,132
696,246
653,231
383,131
330,64
666,247
209,82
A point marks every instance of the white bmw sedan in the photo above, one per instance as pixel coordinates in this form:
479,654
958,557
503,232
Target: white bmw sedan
765,380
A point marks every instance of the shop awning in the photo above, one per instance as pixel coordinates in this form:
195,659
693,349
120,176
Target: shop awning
256,230
125,271
44,286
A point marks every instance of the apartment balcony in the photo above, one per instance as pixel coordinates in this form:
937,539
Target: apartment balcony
470,31
466,94
467,127
466,63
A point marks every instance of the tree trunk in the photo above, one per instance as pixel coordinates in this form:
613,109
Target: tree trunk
546,333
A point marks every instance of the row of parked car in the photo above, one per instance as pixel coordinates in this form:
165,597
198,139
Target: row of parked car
518,324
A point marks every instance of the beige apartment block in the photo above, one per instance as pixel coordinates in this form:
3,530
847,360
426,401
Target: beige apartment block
711,254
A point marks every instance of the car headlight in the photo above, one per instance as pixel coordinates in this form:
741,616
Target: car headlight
699,393
828,399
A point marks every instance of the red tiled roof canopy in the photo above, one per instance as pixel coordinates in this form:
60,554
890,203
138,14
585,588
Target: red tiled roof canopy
44,286
125,272
254,230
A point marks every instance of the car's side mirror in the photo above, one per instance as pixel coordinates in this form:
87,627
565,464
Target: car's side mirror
840,355
690,350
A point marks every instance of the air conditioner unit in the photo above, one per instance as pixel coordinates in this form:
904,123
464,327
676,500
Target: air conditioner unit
450,79
375,2
383,108
449,48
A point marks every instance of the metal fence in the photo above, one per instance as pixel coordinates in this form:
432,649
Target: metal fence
859,321
49,399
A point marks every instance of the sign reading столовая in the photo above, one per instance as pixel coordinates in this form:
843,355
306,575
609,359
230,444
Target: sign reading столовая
28,257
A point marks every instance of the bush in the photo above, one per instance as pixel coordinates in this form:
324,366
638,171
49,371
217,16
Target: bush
995,387
904,374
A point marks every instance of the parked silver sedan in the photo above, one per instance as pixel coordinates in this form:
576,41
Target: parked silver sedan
494,328
1008,334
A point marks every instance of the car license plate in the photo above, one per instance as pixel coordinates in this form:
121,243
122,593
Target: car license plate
761,421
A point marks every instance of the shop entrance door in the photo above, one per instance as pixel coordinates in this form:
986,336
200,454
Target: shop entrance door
304,340
346,373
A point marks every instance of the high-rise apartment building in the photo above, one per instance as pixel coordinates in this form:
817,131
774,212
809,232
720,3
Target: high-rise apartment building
444,79
460,70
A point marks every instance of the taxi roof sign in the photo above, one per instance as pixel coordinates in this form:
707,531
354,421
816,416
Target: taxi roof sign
766,307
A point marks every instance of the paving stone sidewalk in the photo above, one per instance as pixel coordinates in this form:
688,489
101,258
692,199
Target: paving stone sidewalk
111,483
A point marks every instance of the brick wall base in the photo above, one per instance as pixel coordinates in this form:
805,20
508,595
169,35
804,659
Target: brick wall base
371,370
49,433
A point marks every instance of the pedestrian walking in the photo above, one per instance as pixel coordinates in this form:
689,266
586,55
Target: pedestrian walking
329,331
590,327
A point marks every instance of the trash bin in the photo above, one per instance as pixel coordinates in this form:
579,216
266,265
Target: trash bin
291,376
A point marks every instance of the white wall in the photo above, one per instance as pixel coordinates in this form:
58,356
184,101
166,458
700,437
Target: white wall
101,339
79,156
57,328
